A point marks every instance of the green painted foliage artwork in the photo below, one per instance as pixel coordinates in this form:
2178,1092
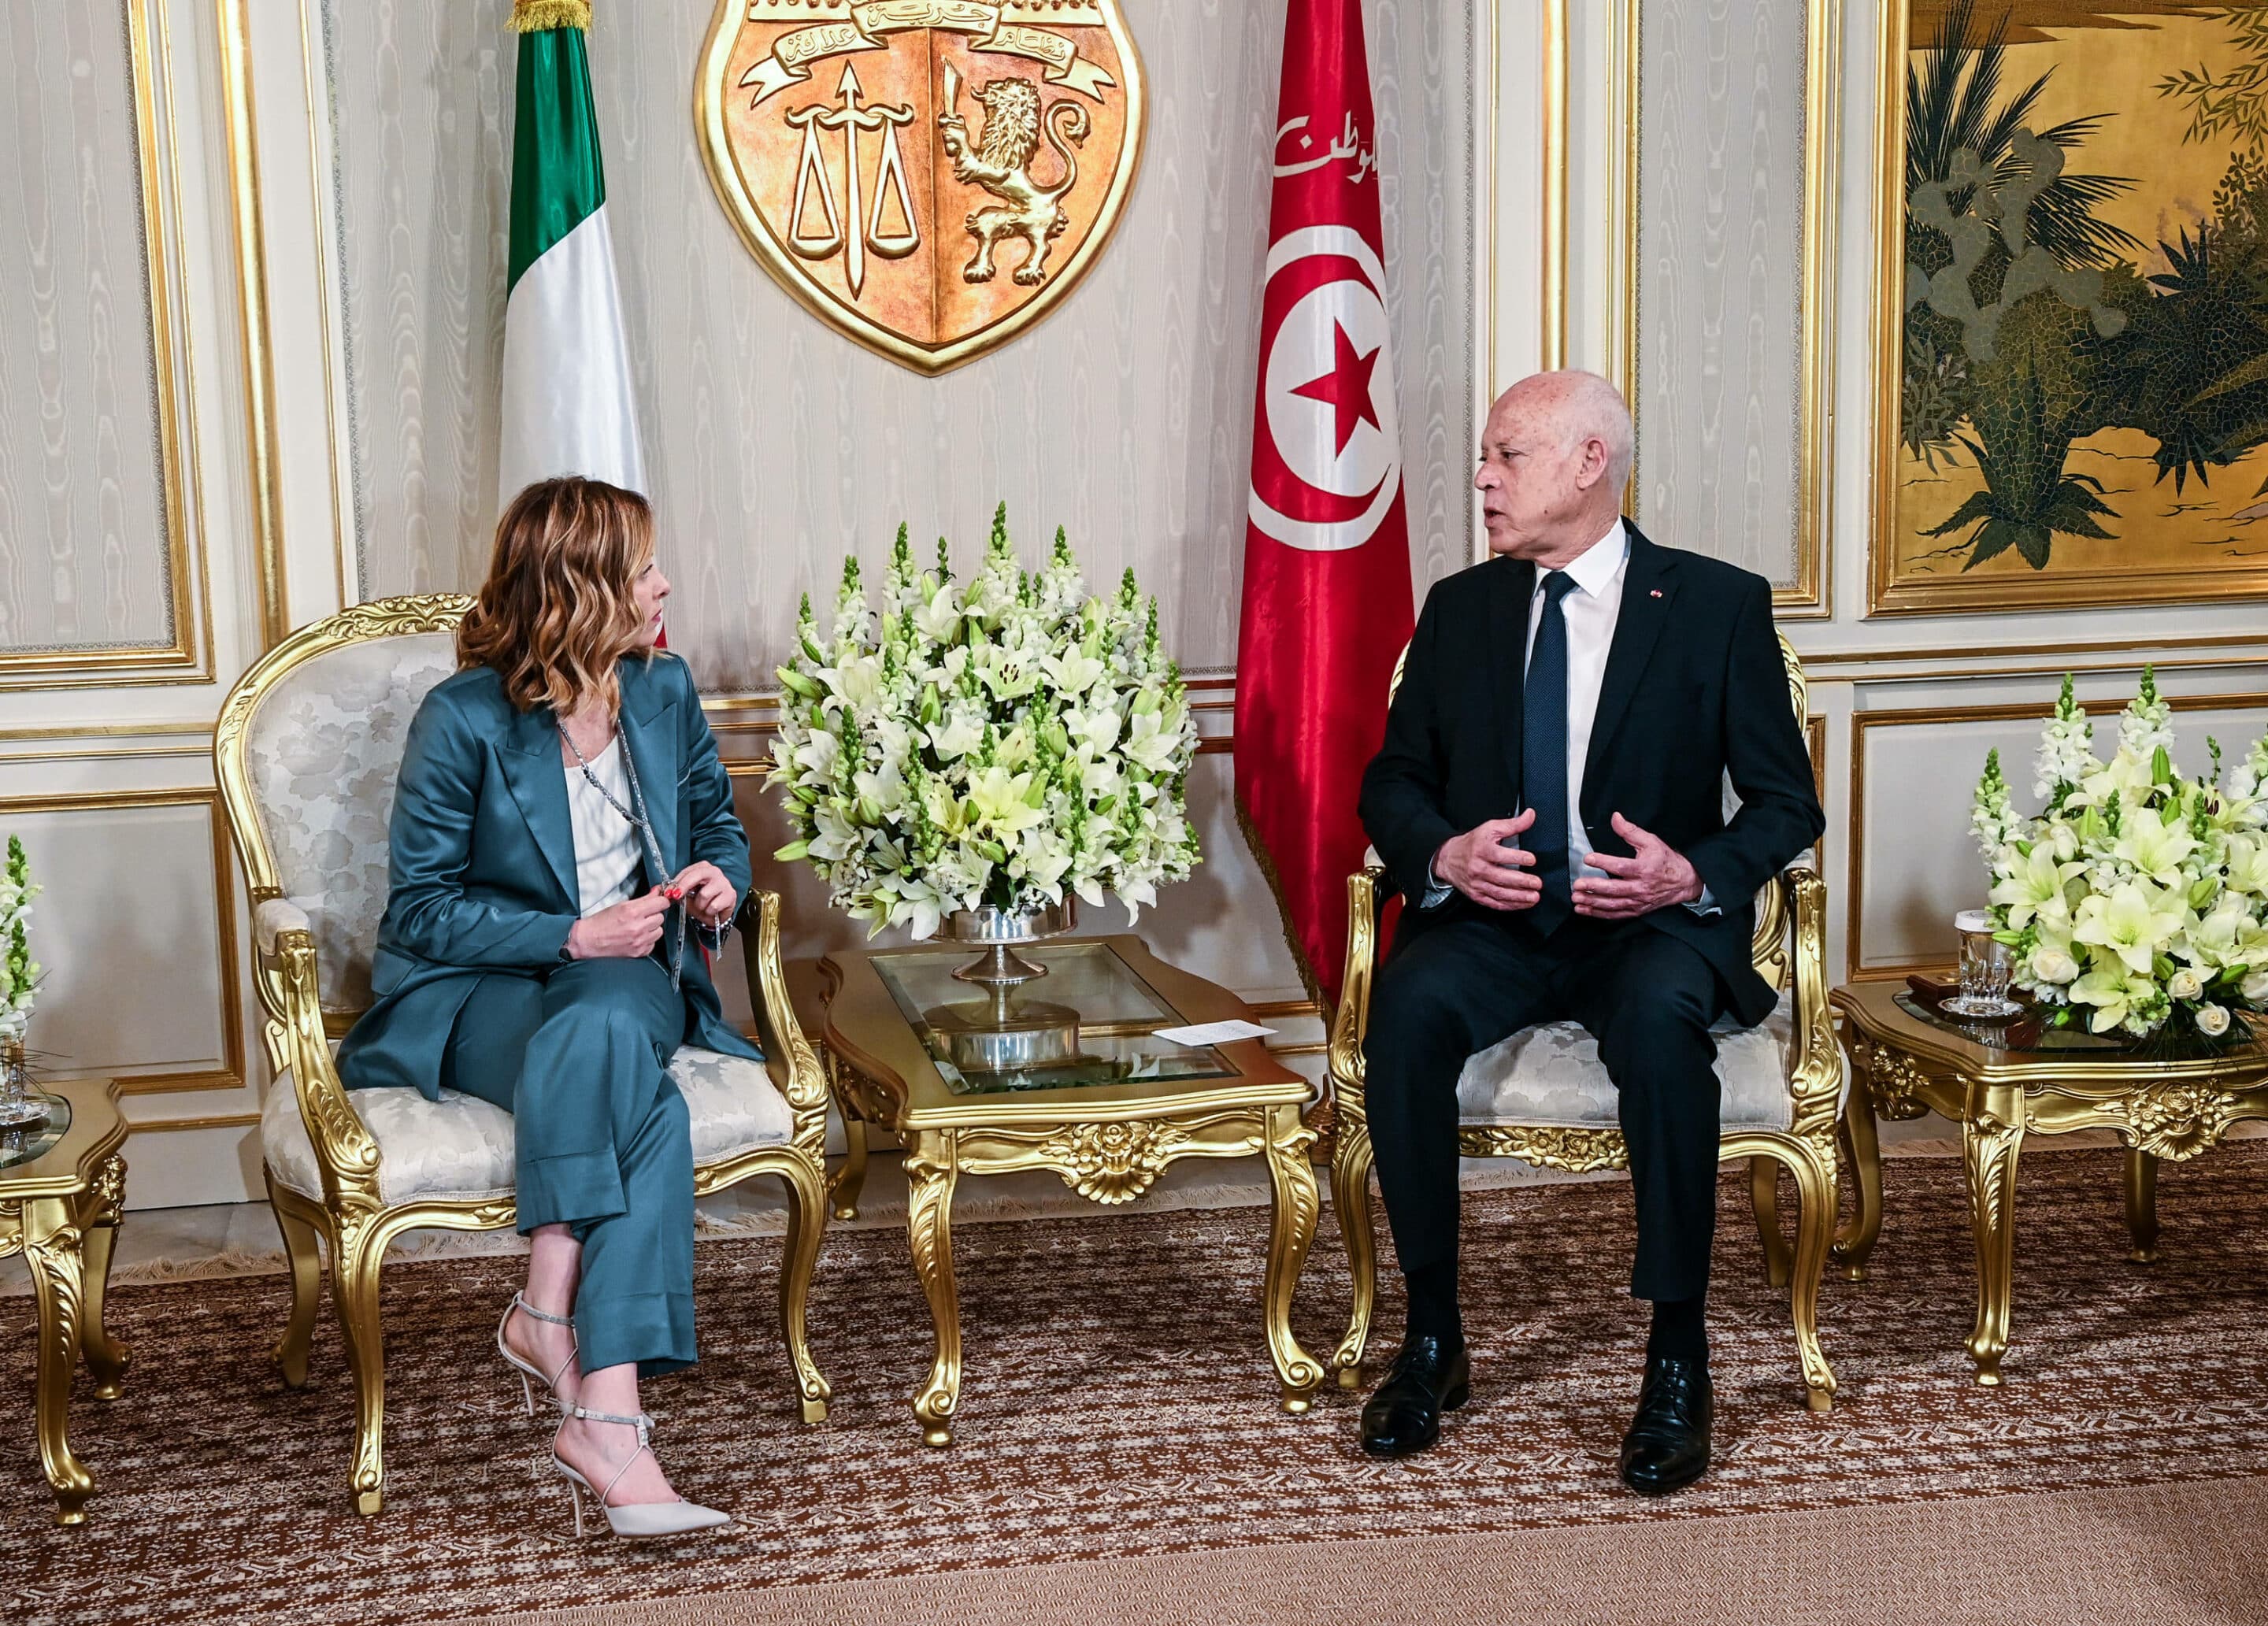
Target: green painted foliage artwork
2048,302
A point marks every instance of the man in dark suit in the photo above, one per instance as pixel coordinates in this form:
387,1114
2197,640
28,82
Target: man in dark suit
1549,801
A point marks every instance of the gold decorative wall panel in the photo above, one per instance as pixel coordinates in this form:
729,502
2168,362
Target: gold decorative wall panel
774,448
1732,301
2071,399
95,582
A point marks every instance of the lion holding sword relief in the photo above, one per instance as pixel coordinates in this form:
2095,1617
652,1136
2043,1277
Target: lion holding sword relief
1000,162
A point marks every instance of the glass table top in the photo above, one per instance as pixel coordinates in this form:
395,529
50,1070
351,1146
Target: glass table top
1117,1012
2026,1035
28,1142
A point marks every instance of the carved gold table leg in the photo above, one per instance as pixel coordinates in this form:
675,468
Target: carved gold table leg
2142,1205
1991,1137
107,1360
53,1249
844,1185
932,1169
1294,1203
1855,1242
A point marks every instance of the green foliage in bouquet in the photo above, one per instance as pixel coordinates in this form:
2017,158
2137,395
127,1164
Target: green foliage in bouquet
2138,895
994,744
19,973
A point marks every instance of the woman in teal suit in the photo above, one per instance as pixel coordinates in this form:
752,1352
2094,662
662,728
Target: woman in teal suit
560,825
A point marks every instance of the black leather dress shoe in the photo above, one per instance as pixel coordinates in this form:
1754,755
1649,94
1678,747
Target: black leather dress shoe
1668,1445
1427,1379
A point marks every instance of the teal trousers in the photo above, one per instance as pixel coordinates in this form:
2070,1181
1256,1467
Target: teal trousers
579,1057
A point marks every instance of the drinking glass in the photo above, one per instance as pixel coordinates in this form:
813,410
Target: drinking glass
1985,966
18,1105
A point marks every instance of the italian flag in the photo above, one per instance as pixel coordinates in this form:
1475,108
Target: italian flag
568,408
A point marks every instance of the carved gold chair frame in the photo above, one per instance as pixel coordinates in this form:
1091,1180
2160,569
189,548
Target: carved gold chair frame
353,1223
1790,944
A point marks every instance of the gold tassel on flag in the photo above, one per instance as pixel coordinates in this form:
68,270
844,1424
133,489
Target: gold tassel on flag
535,16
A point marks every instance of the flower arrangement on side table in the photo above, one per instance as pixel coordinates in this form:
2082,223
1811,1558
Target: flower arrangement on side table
987,745
2139,896
20,976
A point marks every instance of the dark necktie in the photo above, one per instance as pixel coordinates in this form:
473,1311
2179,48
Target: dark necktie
1543,756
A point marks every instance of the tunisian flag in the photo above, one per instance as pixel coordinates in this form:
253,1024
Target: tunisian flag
1327,607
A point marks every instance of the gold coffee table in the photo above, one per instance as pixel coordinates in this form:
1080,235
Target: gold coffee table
2000,1083
1107,1114
62,1185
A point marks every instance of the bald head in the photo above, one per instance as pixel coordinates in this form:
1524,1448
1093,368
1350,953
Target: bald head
1555,456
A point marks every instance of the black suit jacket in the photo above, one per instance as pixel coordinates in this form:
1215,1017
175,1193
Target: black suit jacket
1693,690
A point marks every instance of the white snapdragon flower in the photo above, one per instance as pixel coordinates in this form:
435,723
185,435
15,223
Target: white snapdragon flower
2147,727
2066,753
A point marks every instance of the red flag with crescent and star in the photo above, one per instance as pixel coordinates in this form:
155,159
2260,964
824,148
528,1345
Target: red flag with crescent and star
1326,600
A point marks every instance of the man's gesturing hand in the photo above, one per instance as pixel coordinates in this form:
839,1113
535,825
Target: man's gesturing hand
1478,865
1654,877
627,931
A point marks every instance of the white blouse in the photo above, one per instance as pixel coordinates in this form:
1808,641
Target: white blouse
606,855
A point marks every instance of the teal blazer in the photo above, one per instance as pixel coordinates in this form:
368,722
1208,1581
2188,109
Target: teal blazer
482,872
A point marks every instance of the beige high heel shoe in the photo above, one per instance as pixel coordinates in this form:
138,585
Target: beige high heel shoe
639,1520
526,1370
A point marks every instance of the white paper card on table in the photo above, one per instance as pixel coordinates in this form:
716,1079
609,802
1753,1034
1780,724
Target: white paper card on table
1214,1033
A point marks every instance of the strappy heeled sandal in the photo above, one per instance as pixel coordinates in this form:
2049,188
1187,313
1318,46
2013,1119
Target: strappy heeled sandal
638,1520
528,1369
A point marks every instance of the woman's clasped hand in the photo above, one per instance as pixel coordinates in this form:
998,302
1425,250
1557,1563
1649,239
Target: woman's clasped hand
627,931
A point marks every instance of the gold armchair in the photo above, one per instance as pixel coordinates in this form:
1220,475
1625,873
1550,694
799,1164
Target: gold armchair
306,751
1783,1086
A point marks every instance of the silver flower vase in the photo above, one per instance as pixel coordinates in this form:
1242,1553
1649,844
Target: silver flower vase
1005,1031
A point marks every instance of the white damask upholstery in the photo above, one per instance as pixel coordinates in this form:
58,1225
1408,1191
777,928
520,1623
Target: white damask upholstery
1551,1078
322,751
460,1148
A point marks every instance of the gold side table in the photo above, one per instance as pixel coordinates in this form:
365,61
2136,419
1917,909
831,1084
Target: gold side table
1906,1059
1107,1113
63,1186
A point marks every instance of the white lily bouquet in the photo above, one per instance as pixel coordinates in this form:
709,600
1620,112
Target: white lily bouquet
988,745
2139,896
19,973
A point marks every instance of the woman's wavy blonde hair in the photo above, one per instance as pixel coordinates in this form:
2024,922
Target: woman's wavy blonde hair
556,612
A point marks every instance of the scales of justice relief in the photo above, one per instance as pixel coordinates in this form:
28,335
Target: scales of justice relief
928,177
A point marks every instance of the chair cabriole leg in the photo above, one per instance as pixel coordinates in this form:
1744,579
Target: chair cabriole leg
807,1223
304,1252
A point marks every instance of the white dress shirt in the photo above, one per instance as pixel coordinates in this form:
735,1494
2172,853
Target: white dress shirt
1590,607
607,856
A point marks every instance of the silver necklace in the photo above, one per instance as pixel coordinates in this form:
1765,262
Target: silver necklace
635,815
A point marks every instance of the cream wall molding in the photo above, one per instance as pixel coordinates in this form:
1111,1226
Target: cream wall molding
186,657
216,1121
249,214
1621,271
227,946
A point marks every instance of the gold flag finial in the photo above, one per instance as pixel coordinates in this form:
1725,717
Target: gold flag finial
535,16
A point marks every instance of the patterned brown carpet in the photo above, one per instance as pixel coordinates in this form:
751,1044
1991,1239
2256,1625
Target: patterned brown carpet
1118,1405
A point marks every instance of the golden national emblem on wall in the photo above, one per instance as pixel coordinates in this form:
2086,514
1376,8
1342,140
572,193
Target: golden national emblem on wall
930,177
